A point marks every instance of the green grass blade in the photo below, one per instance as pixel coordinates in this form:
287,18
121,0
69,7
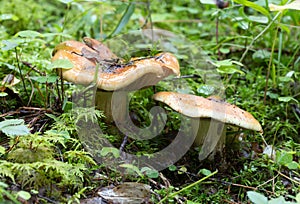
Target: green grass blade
124,20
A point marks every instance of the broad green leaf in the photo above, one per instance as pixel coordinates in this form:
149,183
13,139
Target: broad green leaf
279,200
24,195
9,44
283,157
14,127
227,62
151,173
29,34
227,66
229,70
257,198
44,79
124,20
293,165
259,19
285,79
261,55
114,151
205,172
172,168
9,66
286,99
224,50
16,130
254,6
11,122
295,5
132,168
206,89
272,95
61,63
190,202
8,16
253,18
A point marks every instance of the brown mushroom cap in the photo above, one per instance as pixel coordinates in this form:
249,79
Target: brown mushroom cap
84,69
199,107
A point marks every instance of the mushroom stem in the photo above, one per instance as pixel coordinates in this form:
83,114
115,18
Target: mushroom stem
103,102
211,137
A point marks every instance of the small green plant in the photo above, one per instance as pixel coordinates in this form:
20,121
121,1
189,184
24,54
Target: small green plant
258,198
33,159
5,193
286,159
31,162
187,187
14,127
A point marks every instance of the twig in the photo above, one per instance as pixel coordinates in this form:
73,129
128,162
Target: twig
258,36
270,62
242,186
32,68
15,144
285,176
47,199
239,185
230,202
25,108
165,180
272,179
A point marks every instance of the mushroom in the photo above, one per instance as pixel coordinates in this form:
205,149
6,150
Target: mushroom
213,114
114,74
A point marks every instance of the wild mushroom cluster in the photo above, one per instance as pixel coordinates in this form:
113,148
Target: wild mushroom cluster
93,62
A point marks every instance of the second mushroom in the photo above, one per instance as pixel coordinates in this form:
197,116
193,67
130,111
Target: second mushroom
213,114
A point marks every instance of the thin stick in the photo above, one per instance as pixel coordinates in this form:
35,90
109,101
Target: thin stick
285,176
258,36
270,63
